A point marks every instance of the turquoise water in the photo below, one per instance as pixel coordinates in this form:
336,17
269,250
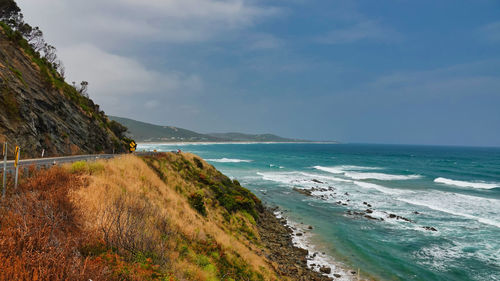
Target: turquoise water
455,190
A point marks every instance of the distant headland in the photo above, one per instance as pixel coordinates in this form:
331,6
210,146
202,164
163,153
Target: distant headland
146,132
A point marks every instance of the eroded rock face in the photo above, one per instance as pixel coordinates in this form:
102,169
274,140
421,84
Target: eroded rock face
36,115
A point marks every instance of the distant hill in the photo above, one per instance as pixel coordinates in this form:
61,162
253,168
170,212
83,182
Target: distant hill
249,137
141,131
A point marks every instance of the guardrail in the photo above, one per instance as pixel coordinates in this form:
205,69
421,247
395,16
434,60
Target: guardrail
12,166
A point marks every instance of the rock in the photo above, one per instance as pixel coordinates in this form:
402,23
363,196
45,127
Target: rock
353,272
370,217
317,181
392,216
364,203
430,228
36,116
325,269
310,227
347,194
298,234
368,211
337,275
303,191
416,213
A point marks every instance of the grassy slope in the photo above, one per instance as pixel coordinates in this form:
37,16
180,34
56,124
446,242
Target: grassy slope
169,217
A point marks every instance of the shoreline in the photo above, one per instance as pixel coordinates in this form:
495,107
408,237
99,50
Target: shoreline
291,253
234,142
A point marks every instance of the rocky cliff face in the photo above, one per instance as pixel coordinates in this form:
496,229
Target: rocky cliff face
38,110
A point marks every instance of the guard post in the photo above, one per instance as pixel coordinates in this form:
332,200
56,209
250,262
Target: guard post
16,164
4,152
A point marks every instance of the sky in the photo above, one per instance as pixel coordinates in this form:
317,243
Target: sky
399,72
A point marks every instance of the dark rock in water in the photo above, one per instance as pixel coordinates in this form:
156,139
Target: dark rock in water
346,194
368,211
416,213
353,272
317,181
369,205
310,227
403,218
344,204
364,203
430,228
338,202
372,218
298,234
392,216
325,269
337,275
303,191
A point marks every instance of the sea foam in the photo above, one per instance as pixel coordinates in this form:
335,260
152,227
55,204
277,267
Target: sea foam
353,172
229,160
481,185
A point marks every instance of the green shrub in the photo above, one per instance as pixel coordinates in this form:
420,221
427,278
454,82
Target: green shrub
79,167
196,201
198,163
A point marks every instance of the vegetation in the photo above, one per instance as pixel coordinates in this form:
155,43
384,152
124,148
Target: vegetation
122,220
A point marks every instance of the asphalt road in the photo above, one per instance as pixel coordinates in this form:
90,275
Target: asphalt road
50,161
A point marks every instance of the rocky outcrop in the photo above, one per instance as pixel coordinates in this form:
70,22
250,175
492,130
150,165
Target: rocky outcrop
287,259
38,110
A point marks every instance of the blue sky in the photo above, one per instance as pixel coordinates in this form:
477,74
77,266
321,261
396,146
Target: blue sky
417,72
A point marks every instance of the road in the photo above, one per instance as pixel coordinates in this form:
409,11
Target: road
50,161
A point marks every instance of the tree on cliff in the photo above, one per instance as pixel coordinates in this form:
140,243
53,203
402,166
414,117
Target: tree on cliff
8,10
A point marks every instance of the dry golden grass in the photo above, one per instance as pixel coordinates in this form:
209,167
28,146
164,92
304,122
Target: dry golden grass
132,208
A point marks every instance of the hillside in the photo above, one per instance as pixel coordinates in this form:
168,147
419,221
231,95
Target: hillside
146,132
40,111
249,137
163,217
141,131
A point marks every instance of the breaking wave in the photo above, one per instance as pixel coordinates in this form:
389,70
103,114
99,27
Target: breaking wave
481,185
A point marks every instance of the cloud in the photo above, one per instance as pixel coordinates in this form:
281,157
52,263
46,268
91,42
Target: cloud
117,76
364,30
130,20
491,31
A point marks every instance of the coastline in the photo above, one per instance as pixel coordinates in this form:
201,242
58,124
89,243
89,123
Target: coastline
139,143
292,255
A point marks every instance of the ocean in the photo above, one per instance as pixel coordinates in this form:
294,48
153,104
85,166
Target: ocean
396,212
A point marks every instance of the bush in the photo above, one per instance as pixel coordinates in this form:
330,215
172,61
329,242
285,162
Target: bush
196,201
40,234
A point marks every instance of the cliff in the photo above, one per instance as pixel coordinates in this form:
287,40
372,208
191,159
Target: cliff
39,110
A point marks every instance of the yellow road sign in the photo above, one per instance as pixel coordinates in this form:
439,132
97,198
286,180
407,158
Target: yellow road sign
4,148
16,159
133,146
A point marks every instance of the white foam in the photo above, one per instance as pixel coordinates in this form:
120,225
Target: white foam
379,176
483,210
353,172
380,188
343,168
229,160
481,185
